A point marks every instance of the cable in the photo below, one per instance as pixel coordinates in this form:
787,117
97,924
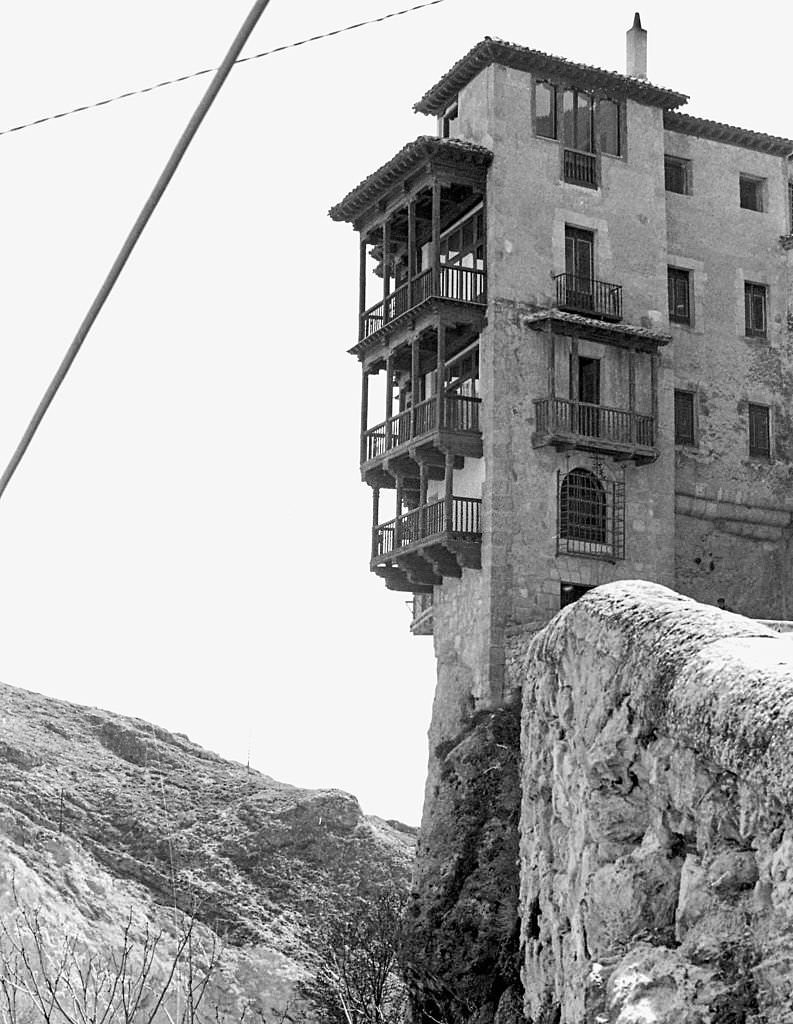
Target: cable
136,231
208,71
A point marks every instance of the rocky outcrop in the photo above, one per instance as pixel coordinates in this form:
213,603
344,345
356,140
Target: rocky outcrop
657,815
102,816
461,947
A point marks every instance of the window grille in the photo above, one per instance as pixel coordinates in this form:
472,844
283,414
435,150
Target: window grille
759,431
755,309
679,287
684,417
591,516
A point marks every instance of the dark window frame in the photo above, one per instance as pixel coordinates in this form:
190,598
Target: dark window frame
751,193
755,300
678,285
759,417
554,108
685,418
683,167
596,102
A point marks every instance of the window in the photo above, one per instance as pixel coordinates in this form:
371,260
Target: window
684,417
449,115
677,177
607,127
577,120
590,515
679,288
755,310
752,193
545,109
759,431
569,593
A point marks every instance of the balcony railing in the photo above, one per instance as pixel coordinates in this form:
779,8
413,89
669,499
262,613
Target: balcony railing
459,519
464,284
459,413
585,295
580,168
585,420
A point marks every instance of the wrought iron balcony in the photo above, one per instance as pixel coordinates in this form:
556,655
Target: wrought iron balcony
420,547
461,284
580,168
585,295
563,423
459,414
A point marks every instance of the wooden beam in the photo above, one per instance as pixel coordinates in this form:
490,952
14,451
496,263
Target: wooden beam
389,398
411,249
551,343
364,410
436,236
398,510
414,382
423,481
448,492
361,289
386,271
375,519
654,392
440,375
632,391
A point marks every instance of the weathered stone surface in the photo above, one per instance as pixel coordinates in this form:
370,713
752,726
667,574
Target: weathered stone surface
461,947
657,815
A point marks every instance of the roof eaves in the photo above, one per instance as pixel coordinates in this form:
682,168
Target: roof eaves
717,131
496,51
628,330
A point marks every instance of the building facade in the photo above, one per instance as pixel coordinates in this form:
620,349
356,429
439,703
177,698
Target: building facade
584,341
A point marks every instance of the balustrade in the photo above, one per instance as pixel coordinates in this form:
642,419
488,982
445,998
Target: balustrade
459,413
589,296
460,519
583,419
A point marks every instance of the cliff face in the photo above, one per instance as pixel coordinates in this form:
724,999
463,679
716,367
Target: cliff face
102,815
657,815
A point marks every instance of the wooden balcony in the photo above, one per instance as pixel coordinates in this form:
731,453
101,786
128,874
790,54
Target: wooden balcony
585,295
414,551
453,282
620,433
421,623
459,415
580,168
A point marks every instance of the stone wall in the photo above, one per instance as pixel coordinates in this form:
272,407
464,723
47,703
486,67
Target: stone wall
657,814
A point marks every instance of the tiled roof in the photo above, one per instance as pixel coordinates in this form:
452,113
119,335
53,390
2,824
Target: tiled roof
674,121
496,51
424,148
592,324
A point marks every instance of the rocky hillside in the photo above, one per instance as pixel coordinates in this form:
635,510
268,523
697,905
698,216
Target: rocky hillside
102,816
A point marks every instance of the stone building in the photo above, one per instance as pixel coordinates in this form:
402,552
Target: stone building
584,349
584,333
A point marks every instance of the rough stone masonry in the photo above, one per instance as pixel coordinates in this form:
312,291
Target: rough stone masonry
656,842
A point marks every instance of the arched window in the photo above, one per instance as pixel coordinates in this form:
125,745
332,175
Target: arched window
582,508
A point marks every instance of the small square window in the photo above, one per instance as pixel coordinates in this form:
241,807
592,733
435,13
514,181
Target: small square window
759,431
752,192
684,417
677,175
679,287
755,301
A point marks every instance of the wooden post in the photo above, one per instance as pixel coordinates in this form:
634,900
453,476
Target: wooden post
632,391
398,510
423,480
448,496
375,520
362,289
389,399
414,383
385,266
654,392
440,376
364,411
436,237
411,249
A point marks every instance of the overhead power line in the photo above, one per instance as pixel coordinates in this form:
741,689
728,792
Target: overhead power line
136,231
209,71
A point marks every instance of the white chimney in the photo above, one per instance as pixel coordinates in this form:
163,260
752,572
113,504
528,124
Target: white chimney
636,47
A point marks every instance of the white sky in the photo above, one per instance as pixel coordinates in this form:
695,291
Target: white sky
187,539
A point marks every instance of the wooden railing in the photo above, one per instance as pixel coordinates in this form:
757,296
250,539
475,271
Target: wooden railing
580,168
459,412
588,296
464,284
460,519
583,419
